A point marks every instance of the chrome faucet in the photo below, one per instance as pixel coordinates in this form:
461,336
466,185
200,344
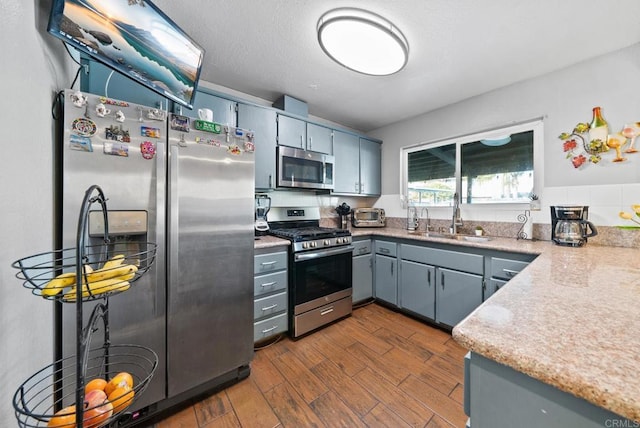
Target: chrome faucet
456,219
428,224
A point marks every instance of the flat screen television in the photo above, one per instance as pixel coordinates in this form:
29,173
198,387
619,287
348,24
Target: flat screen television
135,38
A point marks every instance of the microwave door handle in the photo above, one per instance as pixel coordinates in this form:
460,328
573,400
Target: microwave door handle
324,173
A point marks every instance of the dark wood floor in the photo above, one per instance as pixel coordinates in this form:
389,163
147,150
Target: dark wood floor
377,368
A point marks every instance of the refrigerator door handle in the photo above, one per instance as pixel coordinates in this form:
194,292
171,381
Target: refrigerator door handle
160,280
173,216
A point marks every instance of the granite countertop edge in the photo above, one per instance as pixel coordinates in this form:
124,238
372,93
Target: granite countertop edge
575,340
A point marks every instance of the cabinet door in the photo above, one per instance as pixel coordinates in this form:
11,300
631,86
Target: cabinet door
346,150
319,138
292,132
494,285
362,278
100,81
370,167
387,279
224,111
417,288
457,295
262,122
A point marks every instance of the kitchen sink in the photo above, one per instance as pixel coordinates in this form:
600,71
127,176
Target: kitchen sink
456,237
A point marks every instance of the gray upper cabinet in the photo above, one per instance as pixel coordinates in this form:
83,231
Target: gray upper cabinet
292,132
224,110
346,149
358,163
319,138
263,123
370,167
102,80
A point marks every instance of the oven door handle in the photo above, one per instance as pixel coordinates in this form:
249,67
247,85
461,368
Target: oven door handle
322,253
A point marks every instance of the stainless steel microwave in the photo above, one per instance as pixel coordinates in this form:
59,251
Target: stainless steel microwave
304,169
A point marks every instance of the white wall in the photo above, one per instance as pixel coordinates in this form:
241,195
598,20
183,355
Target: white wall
563,98
34,67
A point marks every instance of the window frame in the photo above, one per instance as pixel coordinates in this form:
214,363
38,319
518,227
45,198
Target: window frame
535,125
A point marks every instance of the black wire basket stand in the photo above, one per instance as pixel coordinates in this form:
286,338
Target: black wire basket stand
102,270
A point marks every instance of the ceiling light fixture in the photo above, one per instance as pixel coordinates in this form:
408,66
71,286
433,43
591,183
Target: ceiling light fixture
362,41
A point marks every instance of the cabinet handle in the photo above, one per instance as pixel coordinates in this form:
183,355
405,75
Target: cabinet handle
301,141
510,273
385,250
268,308
391,268
270,178
355,186
442,279
267,330
310,142
363,250
269,263
429,278
326,311
361,187
269,284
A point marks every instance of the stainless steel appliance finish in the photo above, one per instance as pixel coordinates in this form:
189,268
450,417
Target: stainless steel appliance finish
320,269
368,217
569,225
304,169
194,307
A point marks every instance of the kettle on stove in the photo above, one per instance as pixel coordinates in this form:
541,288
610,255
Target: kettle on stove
569,225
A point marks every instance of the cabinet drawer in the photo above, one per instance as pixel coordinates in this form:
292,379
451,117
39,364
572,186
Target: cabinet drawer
505,268
361,247
264,263
269,327
268,306
269,283
386,248
472,263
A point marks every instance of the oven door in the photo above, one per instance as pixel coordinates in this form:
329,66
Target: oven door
320,277
303,169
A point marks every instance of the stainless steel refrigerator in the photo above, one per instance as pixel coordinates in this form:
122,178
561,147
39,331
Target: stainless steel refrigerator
189,191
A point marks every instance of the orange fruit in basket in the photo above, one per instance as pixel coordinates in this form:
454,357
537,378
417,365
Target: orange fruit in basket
121,379
65,418
121,398
96,383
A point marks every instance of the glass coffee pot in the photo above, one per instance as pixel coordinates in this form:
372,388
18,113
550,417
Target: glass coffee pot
569,225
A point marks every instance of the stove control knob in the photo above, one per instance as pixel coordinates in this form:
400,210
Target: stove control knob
326,242
305,245
339,241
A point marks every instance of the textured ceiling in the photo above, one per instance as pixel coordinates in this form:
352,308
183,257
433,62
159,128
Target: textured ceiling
458,49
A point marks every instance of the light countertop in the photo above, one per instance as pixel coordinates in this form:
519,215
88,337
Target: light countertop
571,319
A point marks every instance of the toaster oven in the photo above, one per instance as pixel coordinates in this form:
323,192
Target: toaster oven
368,217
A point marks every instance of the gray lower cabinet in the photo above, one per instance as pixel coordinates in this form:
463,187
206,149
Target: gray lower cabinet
263,123
386,272
457,295
417,288
502,269
498,396
269,293
362,271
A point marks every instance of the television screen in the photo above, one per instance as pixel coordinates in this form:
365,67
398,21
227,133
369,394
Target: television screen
135,38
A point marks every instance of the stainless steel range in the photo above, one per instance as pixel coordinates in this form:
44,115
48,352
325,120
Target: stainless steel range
320,268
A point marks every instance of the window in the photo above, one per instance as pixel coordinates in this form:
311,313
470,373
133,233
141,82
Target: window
489,167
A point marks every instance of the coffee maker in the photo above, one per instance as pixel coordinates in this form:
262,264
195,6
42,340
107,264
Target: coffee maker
263,205
569,225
